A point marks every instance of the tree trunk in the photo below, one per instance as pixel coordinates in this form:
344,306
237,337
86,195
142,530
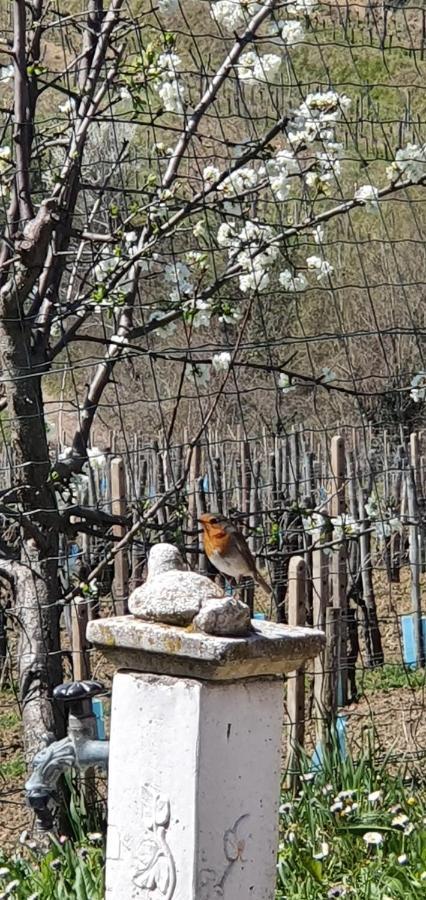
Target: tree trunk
34,510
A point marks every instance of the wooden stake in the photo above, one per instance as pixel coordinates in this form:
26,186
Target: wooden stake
415,565
373,638
337,500
194,474
80,647
320,584
296,680
119,508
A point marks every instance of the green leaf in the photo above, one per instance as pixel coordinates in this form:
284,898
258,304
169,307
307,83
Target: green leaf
314,867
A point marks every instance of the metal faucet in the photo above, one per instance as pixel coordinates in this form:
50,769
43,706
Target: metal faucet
80,749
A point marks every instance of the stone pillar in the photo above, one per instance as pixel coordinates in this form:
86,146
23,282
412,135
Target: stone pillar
195,758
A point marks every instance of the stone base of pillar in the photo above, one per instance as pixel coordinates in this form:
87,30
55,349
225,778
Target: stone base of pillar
193,788
195,759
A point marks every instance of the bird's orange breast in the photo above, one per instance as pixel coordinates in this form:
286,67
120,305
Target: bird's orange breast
216,540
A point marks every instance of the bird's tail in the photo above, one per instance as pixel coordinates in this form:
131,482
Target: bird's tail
261,581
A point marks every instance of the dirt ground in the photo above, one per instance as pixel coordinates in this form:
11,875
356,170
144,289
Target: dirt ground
390,709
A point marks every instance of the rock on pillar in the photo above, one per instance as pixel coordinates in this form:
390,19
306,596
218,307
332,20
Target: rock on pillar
195,758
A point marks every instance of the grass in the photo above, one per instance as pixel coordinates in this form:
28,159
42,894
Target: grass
352,831
390,678
65,870
58,868
9,720
13,768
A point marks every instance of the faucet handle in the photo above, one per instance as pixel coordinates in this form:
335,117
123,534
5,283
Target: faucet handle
76,691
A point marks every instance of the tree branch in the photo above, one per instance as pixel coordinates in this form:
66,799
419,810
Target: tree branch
22,120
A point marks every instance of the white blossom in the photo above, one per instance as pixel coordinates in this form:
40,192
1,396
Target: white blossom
277,170
329,165
201,312
326,104
169,63
368,196
342,525
221,361
375,797
252,67
285,384
323,268
196,258
256,280
228,13
226,235
231,315
373,838
410,162
315,525
244,179
291,32
323,852
171,94
336,806
316,117
403,823
169,86
233,14
246,247
210,174
292,282
11,887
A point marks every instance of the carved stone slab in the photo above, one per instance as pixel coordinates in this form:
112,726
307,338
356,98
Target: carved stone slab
269,649
194,788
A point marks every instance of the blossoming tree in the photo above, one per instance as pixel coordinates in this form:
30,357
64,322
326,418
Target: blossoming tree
142,191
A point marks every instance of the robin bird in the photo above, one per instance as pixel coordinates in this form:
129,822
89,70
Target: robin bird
227,549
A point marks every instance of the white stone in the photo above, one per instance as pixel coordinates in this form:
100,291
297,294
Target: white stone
224,617
193,789
174,596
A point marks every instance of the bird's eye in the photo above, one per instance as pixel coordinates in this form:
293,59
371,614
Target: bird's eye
213,521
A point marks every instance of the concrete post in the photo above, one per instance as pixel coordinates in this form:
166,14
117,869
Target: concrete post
195,757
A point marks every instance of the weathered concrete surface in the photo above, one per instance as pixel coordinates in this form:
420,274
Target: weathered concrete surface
194,788
170,650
